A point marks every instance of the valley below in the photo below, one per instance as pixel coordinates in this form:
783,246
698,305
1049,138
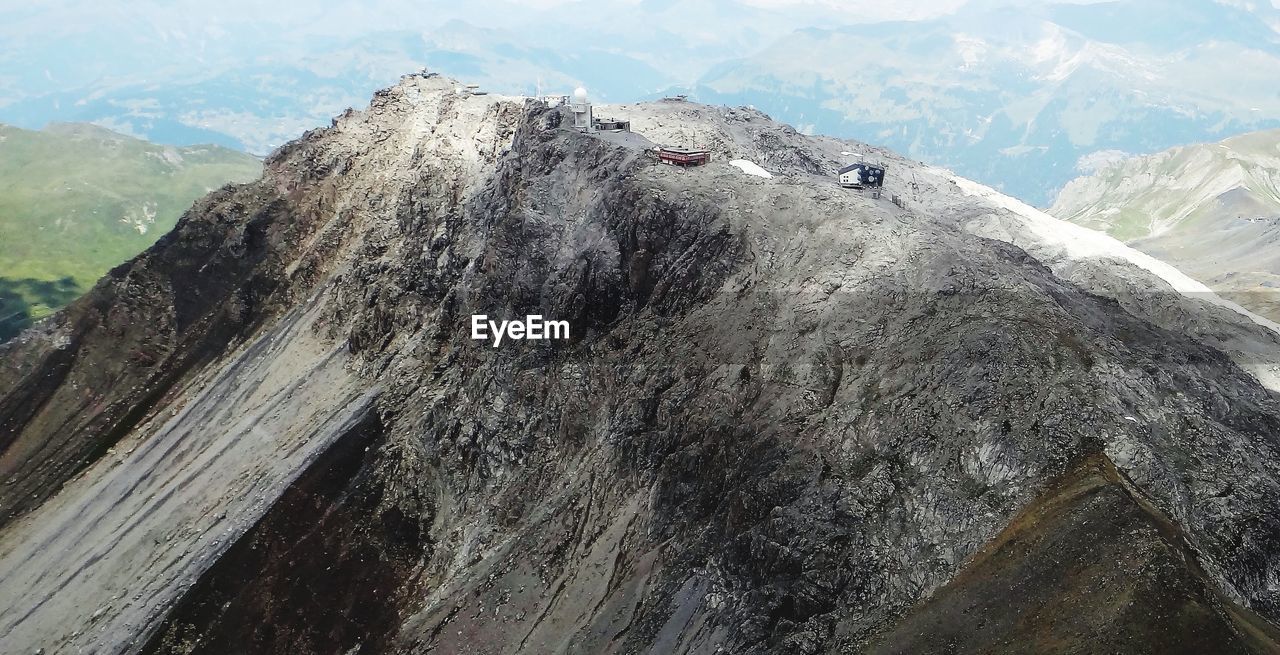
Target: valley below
77,200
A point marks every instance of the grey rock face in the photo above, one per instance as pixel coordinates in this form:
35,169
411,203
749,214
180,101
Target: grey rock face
786,415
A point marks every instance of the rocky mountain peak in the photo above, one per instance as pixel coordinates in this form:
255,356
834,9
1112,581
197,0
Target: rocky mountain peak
786,416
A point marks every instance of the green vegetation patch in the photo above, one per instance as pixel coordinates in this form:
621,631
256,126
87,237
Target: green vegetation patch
77,200
24,301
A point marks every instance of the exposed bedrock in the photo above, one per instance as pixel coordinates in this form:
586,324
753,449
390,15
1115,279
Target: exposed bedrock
789,418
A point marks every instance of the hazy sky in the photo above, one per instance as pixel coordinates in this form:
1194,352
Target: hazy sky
94,46
116,39
30,20
254,73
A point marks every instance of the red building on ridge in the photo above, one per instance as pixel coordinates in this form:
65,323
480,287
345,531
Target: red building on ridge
683,156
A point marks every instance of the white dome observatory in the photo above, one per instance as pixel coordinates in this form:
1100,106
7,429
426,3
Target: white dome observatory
581,110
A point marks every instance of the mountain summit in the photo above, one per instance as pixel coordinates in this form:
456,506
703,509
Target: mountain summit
788,417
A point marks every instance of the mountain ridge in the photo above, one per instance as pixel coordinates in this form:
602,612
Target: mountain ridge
788,412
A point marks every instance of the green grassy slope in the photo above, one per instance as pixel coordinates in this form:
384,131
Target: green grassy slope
76,200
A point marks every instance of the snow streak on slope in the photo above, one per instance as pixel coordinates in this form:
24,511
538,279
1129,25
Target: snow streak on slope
1081,242
1212,210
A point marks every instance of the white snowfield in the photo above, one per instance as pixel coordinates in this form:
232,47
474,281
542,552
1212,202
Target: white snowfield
751,168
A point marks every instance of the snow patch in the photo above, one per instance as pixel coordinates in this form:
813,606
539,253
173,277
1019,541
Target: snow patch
751,168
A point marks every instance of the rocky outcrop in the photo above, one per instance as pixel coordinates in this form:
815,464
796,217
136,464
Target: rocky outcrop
789,418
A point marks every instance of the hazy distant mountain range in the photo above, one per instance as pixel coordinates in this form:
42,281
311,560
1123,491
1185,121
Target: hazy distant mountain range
251,76
1212,210
257,105
1022,98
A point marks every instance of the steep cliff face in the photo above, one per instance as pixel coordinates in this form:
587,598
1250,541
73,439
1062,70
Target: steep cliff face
788,417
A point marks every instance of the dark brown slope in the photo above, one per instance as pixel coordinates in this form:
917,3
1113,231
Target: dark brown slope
1089,568
318,573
